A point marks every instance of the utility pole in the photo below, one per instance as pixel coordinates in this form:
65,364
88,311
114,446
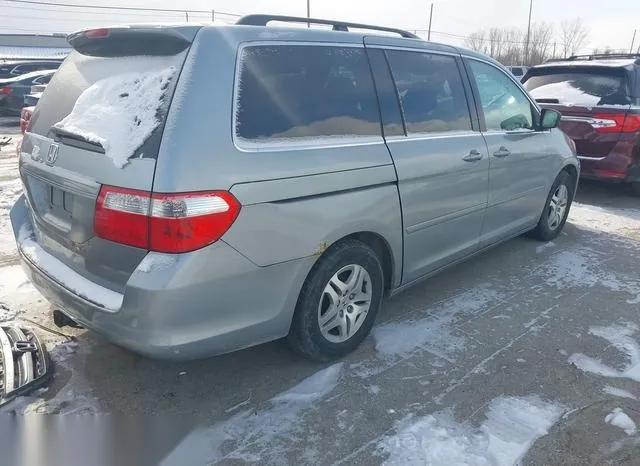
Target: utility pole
633,41
309,13
554,50
430,19
213,16
186,14
526,50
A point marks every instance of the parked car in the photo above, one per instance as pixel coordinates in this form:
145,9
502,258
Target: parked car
13,90
152,220
599,97
518,71
11,69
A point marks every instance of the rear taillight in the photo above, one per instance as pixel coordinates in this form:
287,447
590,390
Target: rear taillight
6,91
170,223
101,33
616,123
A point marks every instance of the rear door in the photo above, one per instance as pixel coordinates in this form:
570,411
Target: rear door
521,167
440,157
594,102
99,123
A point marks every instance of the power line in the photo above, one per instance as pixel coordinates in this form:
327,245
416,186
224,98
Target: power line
121,8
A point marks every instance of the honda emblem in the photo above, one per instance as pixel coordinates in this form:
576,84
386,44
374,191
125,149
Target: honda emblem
52,155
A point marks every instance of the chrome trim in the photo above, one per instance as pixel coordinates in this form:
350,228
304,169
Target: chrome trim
434,135
595,159
412,49
594,122
7,362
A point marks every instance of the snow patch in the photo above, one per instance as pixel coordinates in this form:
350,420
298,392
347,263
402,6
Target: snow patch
511,427
620,338
155,261
544,246
432,333
71,280
119,112
265,436
619,392
618,418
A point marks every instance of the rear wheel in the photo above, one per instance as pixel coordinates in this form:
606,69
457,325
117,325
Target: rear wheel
338,302
556,209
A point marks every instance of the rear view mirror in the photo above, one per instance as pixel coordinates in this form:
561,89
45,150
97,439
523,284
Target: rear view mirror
549,119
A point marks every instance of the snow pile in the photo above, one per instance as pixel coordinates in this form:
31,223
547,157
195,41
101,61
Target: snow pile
263,436
619,419
511,427
620,338
71,280
619,392
119,112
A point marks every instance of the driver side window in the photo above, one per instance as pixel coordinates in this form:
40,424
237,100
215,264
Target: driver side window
505,106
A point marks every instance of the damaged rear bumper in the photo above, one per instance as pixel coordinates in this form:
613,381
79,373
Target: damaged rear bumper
24,363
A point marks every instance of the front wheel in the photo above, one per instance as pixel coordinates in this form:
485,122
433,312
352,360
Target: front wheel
556,209
338,302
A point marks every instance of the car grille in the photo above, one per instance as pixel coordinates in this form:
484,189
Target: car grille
24,363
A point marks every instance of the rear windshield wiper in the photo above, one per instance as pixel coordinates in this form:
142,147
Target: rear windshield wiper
548,101
74,140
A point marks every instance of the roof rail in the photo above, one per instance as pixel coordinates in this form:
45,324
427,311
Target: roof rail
604,56
263,20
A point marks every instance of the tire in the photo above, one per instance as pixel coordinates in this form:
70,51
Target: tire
328,281
549,227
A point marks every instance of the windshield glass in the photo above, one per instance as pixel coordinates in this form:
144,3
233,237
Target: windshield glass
577,87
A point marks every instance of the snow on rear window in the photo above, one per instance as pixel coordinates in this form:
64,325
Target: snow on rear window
120,112
578,88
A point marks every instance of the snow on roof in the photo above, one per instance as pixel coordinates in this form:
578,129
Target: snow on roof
32,53
119,112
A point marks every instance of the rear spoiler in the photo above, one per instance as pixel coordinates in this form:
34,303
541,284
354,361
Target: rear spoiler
128,41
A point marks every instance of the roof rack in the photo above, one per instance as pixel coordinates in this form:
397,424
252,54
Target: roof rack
263,20
605,56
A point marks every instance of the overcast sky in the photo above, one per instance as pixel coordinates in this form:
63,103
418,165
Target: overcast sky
611,23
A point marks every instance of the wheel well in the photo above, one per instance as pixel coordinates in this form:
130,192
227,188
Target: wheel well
573,173
382,250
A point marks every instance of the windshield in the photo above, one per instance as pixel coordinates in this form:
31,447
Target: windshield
577,87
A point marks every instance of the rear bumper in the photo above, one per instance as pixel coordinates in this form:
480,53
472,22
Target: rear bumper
615,167
200,304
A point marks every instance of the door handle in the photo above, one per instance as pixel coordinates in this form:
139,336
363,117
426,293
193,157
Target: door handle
502,152
473,156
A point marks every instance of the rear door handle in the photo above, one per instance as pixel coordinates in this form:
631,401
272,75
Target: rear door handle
502,152
473,156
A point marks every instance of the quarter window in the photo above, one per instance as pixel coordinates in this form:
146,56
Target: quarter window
431,92
293,92
504,104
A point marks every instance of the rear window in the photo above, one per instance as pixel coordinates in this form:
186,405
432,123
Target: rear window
297,92
588,87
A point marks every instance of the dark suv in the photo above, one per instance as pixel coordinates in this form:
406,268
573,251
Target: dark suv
599,98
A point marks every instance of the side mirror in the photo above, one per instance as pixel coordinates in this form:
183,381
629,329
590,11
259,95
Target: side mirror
549,119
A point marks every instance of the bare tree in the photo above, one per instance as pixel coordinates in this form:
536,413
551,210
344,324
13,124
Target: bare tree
574,35
540,44
476,41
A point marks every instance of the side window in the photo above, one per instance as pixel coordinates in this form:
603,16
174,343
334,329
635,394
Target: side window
431,92
293,92
504,104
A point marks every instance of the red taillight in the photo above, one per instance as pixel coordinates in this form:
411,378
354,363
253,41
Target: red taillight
170,223
25,119
6,91
616,123
101,33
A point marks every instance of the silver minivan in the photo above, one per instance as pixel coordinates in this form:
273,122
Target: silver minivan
194,190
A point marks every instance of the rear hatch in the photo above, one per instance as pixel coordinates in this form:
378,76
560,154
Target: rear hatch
99,123
595,102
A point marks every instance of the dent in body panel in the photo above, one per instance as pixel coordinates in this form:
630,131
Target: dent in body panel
273,232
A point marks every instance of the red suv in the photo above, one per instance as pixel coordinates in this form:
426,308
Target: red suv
599,98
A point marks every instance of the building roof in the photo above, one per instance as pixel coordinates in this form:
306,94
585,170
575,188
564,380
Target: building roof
28,53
